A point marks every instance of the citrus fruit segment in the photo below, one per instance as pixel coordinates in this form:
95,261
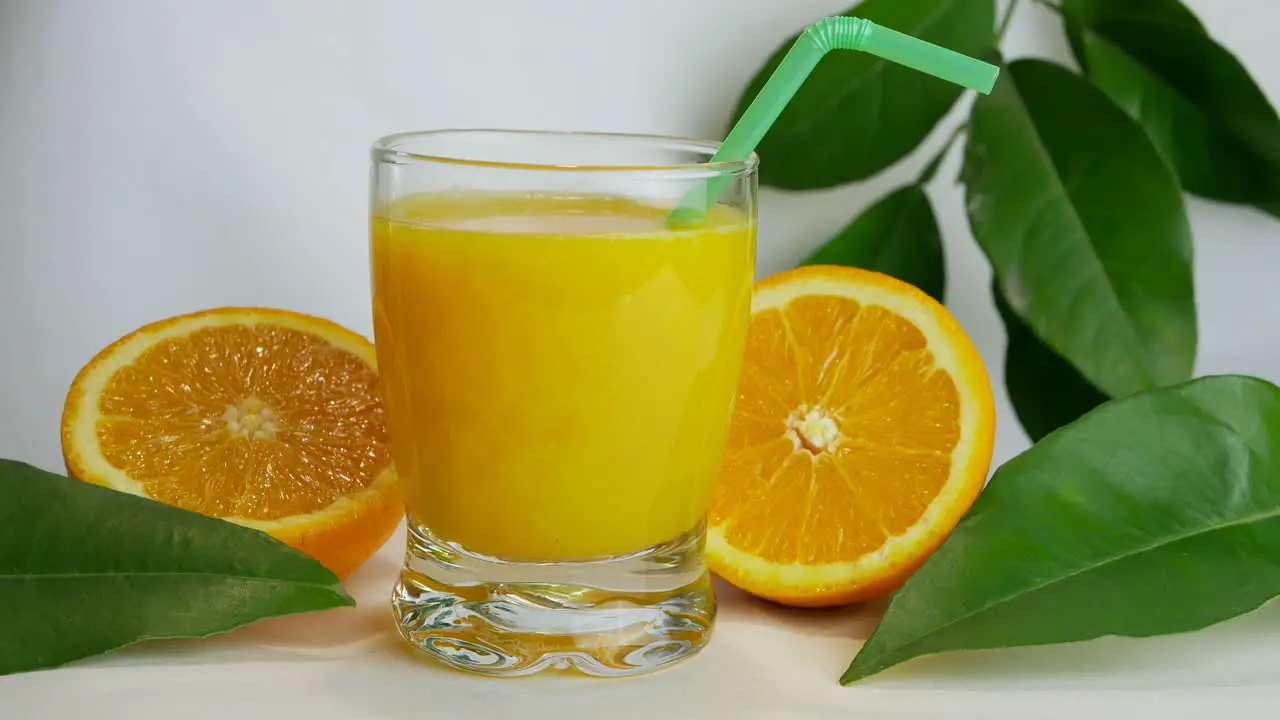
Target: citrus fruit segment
862,432
267,418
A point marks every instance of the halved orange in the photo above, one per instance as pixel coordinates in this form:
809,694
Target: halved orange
862,432
267,418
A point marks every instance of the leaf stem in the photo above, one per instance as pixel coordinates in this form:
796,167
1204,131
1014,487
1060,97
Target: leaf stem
1003,28
931,168
1049,4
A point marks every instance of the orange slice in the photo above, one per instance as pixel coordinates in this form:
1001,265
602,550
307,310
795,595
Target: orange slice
266,418
862,432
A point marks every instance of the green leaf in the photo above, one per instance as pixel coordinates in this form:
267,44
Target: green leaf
1085,228
1155,514
897,236
84,570
1195,100
1169,12
856,114
1046,391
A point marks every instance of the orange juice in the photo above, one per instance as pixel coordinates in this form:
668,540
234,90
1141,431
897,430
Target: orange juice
559,371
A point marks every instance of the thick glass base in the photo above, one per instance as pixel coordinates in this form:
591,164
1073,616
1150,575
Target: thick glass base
614,617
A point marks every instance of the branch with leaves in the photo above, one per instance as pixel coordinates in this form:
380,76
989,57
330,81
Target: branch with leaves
1073,182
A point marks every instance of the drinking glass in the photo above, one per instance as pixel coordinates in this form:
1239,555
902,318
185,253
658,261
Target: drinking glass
559,363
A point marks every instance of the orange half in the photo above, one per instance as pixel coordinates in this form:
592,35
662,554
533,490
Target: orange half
266,418
862,432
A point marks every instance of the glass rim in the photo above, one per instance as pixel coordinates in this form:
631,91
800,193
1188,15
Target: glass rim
384,149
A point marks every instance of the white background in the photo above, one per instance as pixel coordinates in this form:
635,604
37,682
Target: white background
164,156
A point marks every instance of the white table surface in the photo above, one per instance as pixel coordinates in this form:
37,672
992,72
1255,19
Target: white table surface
764,662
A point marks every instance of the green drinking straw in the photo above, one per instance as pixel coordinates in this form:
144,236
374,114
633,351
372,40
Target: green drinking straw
833,33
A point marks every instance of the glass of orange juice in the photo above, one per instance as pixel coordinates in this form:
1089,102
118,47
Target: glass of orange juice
559,365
